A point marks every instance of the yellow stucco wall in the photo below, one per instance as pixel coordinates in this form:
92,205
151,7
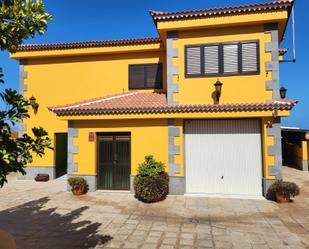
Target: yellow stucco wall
63,80
235,89
148,137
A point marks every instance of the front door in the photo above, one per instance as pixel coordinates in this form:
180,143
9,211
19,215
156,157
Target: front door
114,161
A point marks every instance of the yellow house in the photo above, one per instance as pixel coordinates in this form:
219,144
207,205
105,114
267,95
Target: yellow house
203,98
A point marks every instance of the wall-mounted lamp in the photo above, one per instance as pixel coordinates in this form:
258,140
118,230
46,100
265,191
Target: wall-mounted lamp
283,92
218,87
269,124
34,104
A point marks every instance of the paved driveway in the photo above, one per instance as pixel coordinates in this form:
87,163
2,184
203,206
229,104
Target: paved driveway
42,215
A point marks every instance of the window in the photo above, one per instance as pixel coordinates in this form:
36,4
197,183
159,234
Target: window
146,76
222,59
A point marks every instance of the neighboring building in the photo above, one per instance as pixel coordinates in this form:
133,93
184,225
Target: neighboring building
295,147
113,102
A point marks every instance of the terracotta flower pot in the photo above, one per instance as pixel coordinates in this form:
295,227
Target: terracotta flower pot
77,190
281,198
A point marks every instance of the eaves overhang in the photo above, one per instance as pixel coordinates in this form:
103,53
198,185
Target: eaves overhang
88,48
155,103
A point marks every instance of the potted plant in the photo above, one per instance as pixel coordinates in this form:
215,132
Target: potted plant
284,190
79,185
151,182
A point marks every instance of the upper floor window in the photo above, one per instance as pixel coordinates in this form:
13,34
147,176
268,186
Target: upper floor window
222,59
146,76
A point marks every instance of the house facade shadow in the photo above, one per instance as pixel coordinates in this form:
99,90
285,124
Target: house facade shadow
34,227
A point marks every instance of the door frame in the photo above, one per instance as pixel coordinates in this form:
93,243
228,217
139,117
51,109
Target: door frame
100,134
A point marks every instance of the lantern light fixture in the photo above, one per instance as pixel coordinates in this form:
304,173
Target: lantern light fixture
218,89
34,104
283,91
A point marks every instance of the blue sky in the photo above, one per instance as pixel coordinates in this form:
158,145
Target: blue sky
79,20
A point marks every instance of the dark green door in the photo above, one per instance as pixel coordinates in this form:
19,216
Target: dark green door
114,161
61,153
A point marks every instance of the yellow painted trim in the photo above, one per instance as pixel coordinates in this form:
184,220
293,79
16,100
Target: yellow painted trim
304,150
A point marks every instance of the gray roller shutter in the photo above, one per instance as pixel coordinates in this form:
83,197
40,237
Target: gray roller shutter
193,62
249,57
230,58
211,59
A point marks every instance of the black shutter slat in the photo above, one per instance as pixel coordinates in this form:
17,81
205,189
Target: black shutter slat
193,63
249,57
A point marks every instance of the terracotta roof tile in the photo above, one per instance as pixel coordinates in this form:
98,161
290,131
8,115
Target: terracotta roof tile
275,5
87,44
142,102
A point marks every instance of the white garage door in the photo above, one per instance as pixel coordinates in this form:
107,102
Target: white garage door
223,157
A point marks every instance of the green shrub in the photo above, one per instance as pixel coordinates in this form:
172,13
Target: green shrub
151,182
150,167
78,182
287,188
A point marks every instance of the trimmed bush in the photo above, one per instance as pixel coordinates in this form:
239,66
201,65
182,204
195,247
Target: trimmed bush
288,189
78,185
151,182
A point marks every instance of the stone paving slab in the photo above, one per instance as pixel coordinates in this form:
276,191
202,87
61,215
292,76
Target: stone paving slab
44,216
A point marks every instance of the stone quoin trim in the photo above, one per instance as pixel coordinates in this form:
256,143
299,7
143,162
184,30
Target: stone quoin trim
72,149
275,150
22,89
172,148
177,183
274,86
273,65
72,166
172,70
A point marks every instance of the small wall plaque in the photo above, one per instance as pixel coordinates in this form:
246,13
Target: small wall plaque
91,137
